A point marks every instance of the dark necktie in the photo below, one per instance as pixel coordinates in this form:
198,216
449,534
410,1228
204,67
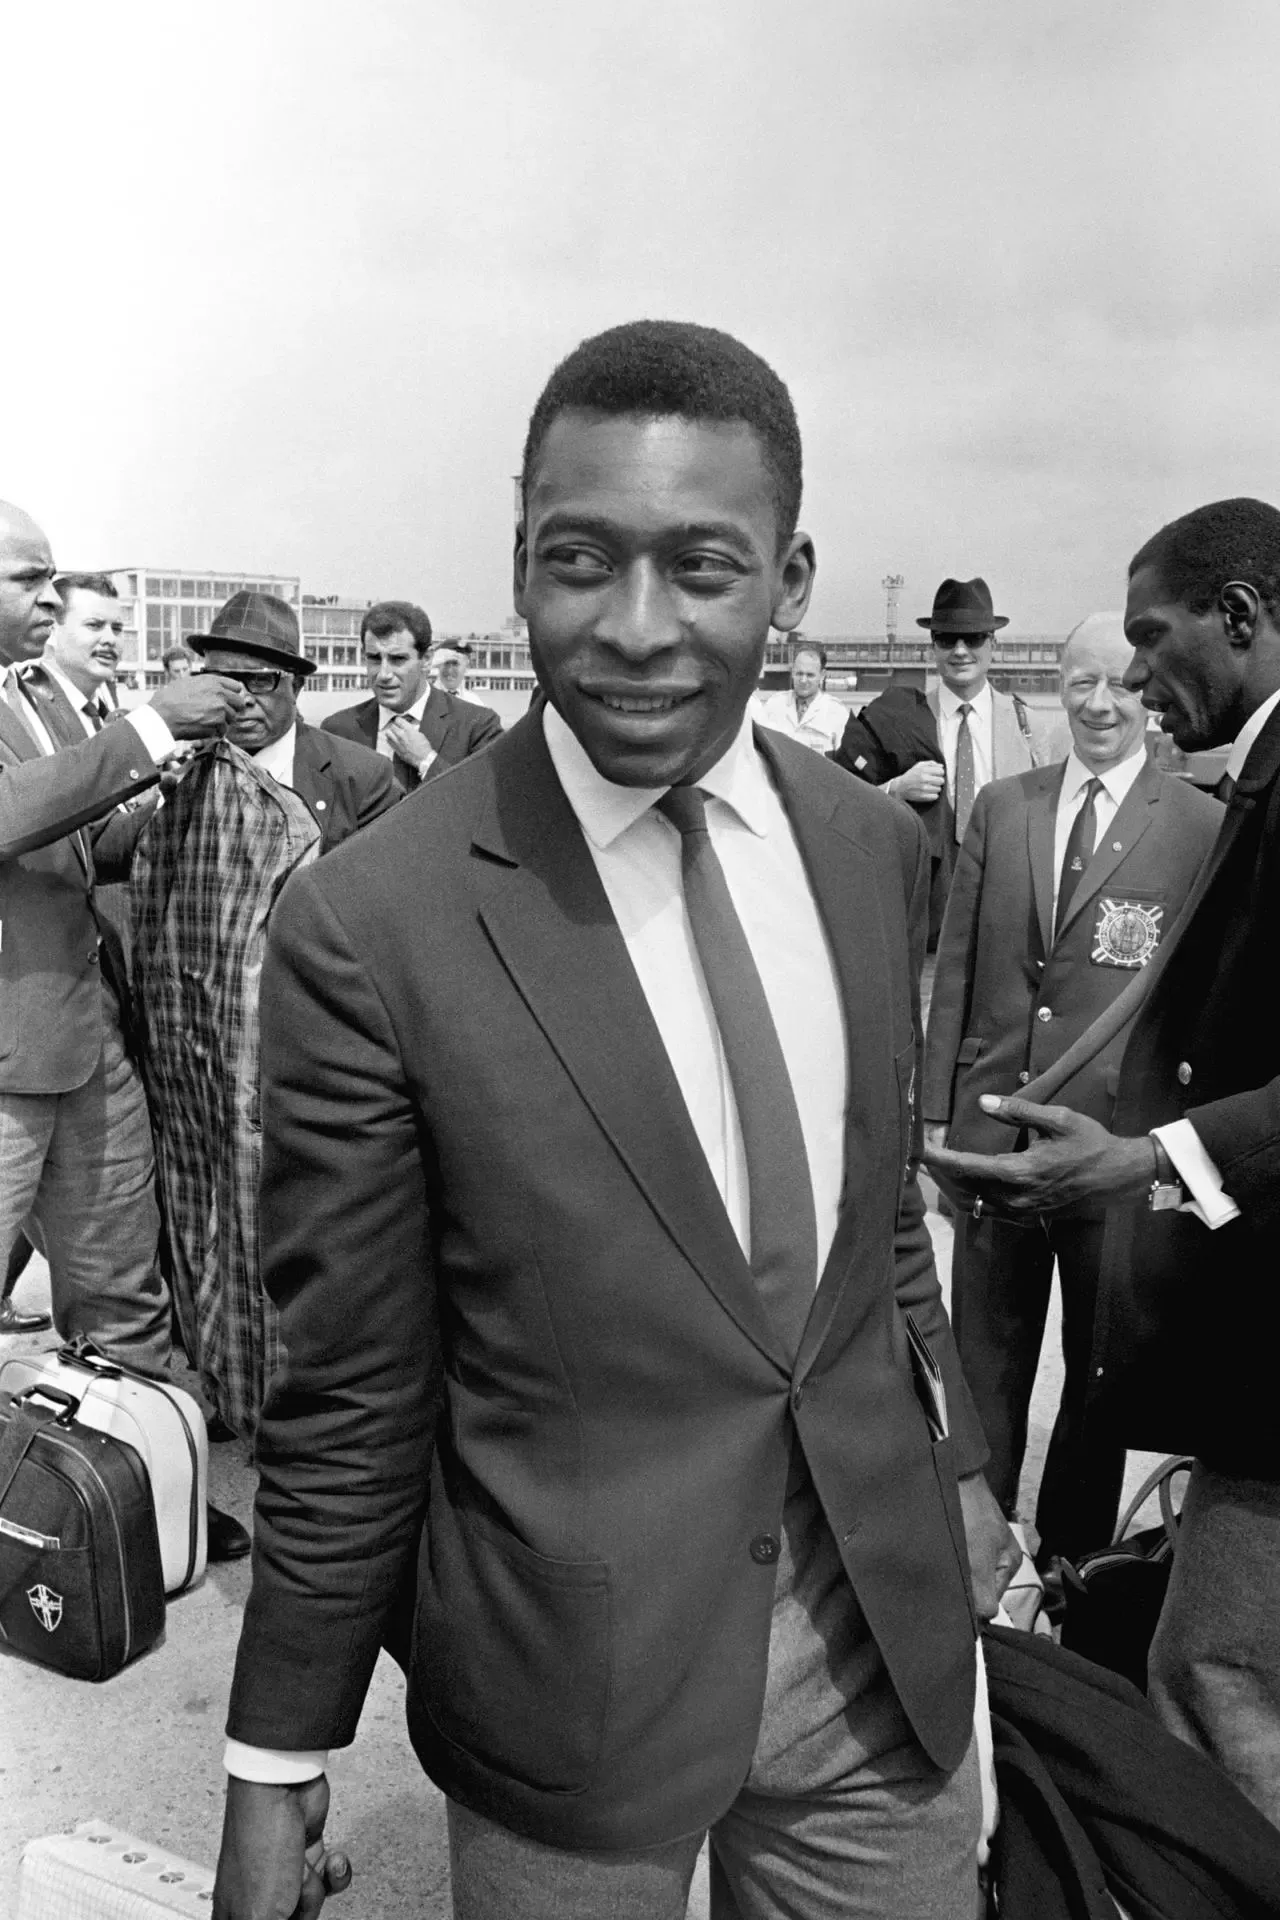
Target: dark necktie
93,714
784,1237
964,771
1224,789
1079,851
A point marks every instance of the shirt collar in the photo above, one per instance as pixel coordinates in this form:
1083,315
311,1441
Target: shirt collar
415,712
604,810
1248,734
1116,780
950,702
277,758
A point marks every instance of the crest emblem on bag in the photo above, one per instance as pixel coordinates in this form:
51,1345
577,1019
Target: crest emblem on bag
46,1606
1126,933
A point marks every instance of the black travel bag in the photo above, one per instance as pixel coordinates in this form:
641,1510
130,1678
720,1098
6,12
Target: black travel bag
81,1587
1114,1596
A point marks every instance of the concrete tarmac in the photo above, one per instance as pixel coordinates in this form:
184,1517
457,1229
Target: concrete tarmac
144,1751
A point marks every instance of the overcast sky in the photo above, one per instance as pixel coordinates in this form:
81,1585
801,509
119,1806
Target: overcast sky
283,277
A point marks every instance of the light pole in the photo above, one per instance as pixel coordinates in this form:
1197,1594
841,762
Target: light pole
893,583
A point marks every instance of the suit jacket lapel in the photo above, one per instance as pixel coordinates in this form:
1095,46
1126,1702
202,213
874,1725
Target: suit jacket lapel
14,731
1042,813
1133,817
366,723
436,718
551,924
61,723
313,773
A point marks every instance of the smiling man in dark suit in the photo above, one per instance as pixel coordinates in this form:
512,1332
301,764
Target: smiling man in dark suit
1067,881
689,1534
1188,1322
254,640
420,728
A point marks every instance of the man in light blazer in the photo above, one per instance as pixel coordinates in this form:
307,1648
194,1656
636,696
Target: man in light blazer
686,1526
1068,880
420,728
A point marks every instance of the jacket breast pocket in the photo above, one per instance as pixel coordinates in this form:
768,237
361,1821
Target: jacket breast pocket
511,1650
970,1047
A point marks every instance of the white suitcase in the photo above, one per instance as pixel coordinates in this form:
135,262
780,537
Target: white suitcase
99,1873
162,1422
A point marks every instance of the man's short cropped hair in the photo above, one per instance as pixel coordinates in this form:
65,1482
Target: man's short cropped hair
390,616
663,369
177,652
65,584
810,646
1196,556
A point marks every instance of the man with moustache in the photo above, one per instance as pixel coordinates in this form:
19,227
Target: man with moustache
422,730
694,1552
1188,1318
1068,879
76,1158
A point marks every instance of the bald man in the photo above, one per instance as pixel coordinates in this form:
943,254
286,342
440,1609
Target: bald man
1067,880
75,1139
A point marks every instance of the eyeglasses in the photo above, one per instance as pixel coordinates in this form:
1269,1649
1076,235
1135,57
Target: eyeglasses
264,682
948,640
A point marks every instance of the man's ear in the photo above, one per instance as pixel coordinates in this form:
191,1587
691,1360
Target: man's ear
1241,609
519,570
795,583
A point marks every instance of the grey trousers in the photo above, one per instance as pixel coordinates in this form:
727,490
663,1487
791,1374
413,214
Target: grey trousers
77,1171
1214,1670
841,1817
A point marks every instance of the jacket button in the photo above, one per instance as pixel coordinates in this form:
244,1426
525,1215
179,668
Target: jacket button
1023,1077
134,774
765,1549
319,806
1184,1073
93,957
1044,1013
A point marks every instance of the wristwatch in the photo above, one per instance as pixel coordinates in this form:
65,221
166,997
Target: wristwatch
1165,1194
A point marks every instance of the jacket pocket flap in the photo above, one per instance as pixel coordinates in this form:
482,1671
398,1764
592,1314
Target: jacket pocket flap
970,1048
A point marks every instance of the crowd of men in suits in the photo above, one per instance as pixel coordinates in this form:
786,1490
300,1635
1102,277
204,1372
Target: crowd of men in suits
619,1397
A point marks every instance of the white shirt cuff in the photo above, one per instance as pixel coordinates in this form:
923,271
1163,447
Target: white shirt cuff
1198,1174
152,731
270,1767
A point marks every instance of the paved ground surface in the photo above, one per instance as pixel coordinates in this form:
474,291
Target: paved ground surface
144,1751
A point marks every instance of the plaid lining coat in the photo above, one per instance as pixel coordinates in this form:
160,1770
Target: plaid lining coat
206,875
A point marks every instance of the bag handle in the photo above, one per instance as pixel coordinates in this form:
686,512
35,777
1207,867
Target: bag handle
1159,1479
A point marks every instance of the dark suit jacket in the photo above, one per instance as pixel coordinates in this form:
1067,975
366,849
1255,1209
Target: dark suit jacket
455,728
898,730
1008,999
50,954
592,1626
345,785
1189,1321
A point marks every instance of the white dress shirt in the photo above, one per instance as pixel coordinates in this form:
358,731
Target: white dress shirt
821,725
413,715
636,852
1248,734
1116,782
277,758
981,732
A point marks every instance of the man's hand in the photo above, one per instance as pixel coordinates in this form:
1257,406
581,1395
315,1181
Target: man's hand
274,1864
201,704
994,1553
935,1135
410,742
920,784
1073,1160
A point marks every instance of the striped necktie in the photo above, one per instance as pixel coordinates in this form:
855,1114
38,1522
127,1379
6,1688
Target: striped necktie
964,771
784,1234
1078,851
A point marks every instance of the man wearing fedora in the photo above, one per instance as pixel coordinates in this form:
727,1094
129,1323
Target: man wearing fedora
253,640
938,749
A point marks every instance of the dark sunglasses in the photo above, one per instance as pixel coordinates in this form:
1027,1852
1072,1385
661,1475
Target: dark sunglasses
264,682
948,640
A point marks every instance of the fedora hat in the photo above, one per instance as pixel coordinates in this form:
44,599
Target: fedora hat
259,624
963,606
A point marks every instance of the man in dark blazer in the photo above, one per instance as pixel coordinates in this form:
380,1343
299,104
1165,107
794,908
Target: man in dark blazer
1188,1319
421,729
254,640
694,1551
1067,881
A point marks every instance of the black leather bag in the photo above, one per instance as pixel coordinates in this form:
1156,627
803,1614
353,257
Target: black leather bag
81,1587
1113,1597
